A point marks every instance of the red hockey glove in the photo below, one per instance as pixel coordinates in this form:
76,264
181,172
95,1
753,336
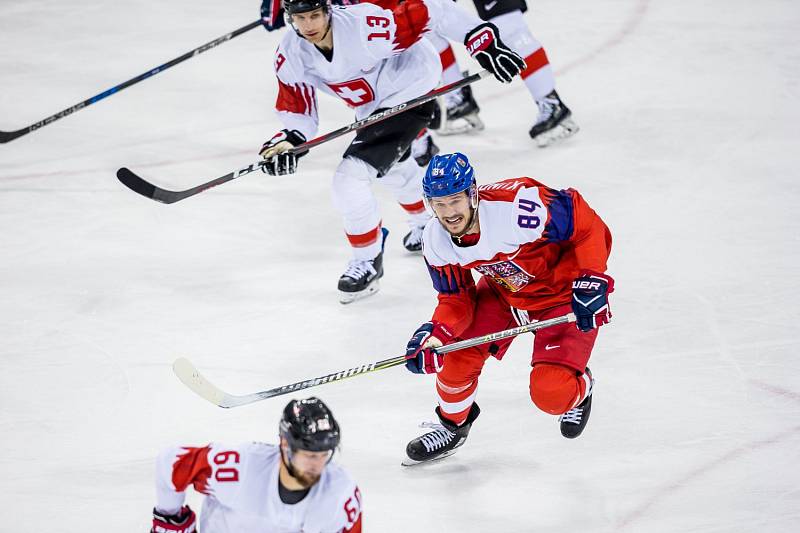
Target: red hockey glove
420,357
183,522
484,44
280,162
590,292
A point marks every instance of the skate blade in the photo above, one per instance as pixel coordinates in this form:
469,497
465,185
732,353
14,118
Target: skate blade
408,461
468,124
350,297
567,128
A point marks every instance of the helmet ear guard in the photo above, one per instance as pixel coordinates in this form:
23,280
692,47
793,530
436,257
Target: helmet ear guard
473,196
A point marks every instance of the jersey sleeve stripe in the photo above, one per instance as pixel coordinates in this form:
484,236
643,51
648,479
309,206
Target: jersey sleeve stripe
295,98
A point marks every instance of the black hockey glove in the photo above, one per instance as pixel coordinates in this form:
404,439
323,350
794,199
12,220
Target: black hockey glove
279,161
184,521
590,292
484,44
272,15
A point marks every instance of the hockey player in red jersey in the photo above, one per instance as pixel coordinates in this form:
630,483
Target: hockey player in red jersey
542,253
292,488
372,58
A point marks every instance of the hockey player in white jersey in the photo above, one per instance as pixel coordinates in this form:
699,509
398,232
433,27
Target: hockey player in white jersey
372,58
423,148
255,487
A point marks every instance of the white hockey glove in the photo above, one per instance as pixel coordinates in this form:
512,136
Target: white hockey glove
484,44
279,161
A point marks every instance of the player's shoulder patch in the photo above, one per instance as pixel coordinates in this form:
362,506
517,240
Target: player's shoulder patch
505,190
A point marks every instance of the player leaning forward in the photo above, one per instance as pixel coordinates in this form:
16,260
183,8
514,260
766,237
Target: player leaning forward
372,58
542,253
254,487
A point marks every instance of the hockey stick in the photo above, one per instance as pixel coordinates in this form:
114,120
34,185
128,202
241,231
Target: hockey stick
145,188
193,379
6,136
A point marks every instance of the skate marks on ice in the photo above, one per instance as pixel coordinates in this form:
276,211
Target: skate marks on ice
663,492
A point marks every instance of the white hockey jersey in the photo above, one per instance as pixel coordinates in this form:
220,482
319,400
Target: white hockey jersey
379,59
241,488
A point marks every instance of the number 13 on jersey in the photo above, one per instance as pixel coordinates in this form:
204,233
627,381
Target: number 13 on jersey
378,22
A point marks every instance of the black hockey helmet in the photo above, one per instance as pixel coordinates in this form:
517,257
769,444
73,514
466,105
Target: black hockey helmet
309,425
304,6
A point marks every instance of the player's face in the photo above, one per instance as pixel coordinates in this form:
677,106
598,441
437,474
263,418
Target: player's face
308,466
454,212
312,25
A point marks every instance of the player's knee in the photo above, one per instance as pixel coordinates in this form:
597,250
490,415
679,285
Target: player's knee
554,388
350,190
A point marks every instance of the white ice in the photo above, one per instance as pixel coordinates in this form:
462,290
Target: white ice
689,150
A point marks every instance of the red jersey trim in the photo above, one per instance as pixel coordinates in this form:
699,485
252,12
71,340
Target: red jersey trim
300,98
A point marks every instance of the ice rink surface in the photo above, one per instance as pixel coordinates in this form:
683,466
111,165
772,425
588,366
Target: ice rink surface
689,151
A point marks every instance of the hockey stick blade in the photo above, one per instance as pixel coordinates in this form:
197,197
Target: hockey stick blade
192,378
7,136
143,187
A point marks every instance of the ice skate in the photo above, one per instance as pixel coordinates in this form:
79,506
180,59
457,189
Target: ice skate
462,113
554,121
360,279
573,422
423,150
413,239
442,441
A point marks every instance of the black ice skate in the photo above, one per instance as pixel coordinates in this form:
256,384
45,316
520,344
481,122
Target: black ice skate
361,277
462,113
442,441
423,150
554,122
413,239
573,422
